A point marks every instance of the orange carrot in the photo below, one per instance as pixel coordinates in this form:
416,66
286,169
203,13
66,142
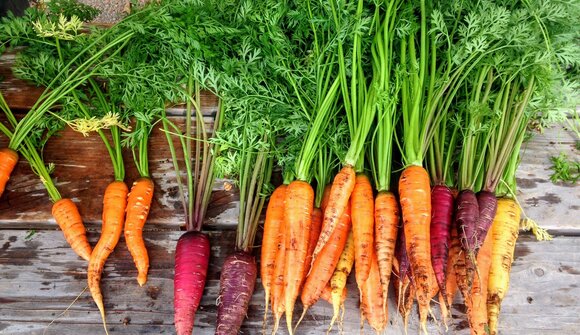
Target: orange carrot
415,194
451,282
8,160
271,241
340,192
372,308
457,261
325,198
114,205
315,227
362,208
325,264
386,222
277,286
138,204
477,308
67,215
297,219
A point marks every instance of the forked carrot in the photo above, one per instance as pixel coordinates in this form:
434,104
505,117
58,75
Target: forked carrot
504,231
415,196
114,205
362,209
386,227
67,215
138,204
8,160
297,219
271,241
340,192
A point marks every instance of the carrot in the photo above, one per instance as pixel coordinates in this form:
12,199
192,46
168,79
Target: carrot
362,212
457,259
325,197
487,207
325,264
8,160
297,219
467,211
477,309
372,298
405,295
277,296
504,231
191,263
138,204
451,281
315,227
415,195
67,215
386,222
237,282
271,241
340,276
442,202
114,205
327,295
340,192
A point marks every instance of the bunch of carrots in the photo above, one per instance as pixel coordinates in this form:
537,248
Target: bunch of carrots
345,97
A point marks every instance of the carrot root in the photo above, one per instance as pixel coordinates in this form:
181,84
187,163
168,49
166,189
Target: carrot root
138,205
67,215
8,160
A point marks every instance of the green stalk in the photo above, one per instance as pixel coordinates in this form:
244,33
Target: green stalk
30,153
308,150
382,95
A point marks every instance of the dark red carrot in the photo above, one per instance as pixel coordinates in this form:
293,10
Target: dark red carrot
487,207
466,214
191,262
237,282
442,214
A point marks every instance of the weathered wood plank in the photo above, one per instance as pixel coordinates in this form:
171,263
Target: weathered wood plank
554,206
41,276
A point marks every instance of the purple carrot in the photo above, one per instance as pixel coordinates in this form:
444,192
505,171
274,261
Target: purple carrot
442,214
237,283
402,257
191,262
487,208
466,213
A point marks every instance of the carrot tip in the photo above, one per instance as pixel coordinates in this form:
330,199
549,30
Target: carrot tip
142,279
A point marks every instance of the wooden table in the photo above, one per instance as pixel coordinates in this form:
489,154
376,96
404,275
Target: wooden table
42,282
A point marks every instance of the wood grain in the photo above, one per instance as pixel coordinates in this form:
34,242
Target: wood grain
41,276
